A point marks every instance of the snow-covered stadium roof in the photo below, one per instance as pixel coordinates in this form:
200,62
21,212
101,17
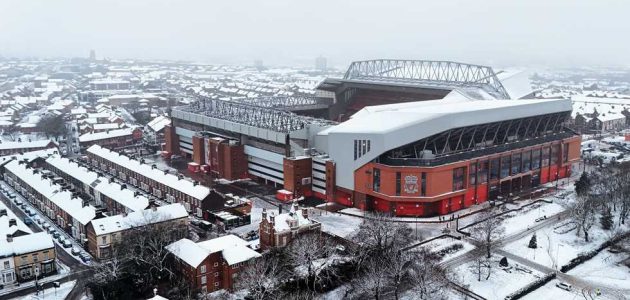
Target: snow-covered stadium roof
395,125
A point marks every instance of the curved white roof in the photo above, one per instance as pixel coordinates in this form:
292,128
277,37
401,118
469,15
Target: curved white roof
394,125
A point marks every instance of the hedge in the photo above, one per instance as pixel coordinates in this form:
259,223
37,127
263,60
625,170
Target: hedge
532,286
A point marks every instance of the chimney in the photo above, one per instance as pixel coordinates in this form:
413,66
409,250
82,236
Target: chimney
153,166
123,186
279,209
135,194
264,214
111,179
12,222
295,206
165,172
124,214
195,183
272,218
3,212
154,208
9,238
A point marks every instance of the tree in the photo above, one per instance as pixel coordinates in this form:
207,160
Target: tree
487,230
606,219
311,257
583,185
264,277
532,242
52,126
481,265
583,214
378,234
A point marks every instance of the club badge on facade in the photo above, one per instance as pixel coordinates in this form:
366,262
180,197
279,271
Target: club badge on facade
411,184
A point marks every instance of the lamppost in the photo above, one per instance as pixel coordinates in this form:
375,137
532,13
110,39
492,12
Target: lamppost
36,283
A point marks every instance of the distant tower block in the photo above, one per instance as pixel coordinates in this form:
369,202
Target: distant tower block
258,64
320,63
92,54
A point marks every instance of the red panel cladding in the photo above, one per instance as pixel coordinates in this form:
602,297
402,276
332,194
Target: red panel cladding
442,206
343,198
552,173
563,172
409,209
381,205
544,175
470,196
482,193
319,195
456,203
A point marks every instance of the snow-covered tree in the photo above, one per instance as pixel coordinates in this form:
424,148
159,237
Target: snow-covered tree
583,214
532,242
487,230
264,277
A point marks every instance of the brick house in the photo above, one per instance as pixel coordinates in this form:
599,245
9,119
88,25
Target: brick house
213,264
111,138
32,254
278,231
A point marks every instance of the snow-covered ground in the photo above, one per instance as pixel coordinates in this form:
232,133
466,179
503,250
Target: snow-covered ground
500,284
554,245
337,224
605,268
52,293
521,220
550,291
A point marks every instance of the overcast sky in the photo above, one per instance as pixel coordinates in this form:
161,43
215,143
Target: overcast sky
292,32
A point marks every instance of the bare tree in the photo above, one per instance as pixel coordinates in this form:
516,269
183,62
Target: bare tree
487,230
378,234
583,214
427,279
311,256
262,278
481,266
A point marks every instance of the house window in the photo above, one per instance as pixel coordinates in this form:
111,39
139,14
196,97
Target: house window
545,157
6,265
202,269
104,240
204,279
216,274
565,153
24,259
216,264
526,160
376,179
35,257
536,159
397,183
555,153
216,284
482,172
516,163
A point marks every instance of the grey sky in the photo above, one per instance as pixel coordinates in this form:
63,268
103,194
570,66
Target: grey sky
495,32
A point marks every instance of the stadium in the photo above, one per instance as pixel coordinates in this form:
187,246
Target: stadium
411,138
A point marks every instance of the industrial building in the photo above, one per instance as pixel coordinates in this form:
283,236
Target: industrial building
412,138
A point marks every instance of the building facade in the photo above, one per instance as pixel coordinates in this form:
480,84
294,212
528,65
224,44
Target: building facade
279,230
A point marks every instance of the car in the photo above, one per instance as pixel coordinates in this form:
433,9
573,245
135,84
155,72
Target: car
61,238
28,221
75,251
563,285
23,205
195,221
51,230
31,213
37,220
85,258
45,226
56,234
66,244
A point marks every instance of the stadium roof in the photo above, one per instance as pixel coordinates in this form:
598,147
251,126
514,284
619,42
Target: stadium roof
424,74
395,125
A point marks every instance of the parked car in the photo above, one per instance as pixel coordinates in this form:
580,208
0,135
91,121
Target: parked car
30,213
85,258
66,244
75,251
45,226
195,221
37,220
61,239
56,234
563,285
28,221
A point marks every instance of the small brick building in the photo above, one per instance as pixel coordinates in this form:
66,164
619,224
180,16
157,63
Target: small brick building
279,230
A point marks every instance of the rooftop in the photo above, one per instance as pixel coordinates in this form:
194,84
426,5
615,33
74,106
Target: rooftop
139,218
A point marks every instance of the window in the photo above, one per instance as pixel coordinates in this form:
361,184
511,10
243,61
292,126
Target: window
458,178
202,269
526,160
216,274
505,166
482,172
423,184
545,157
360,148
397,183
536,159
555,153
565,153
216,264
6,265
472,173
35,257
376,180
494,169
204,279
516,163
216,284
104,240
24,259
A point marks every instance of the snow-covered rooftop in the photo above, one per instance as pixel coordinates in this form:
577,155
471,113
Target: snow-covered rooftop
88,137
139,218
26,244
25,145
159,122
233,249
196,191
